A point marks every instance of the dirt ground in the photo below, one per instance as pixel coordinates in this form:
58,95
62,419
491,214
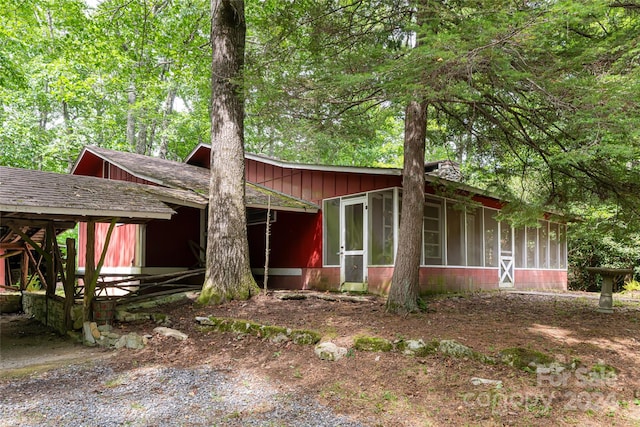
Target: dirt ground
392,389
26,345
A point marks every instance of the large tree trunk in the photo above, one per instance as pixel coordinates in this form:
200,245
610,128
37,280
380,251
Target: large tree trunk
403,296
228,272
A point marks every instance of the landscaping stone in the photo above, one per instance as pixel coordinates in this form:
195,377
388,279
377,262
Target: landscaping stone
455,349
105,328
416,347
279,338
132,341
329,351
94,330
87,334
168,332
484,381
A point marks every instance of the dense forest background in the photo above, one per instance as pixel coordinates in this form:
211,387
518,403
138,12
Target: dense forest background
538,101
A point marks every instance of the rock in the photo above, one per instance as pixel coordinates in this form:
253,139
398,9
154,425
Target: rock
279,338
455,349
481,381
105,328
94,330
168,332
329,351
86,331
132,341
205,321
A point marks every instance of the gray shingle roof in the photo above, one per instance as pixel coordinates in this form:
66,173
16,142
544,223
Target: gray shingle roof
183,176
31,194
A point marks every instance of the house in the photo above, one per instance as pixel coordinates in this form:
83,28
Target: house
157,247
335,227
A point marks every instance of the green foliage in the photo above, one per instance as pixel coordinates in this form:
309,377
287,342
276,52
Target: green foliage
365,343
632,286
604,237
523,358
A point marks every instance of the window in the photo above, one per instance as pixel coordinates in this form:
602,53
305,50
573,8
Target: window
490,239
520,248
331,216
474,236
532,247
381,228
562,232
432,232
553,245
506,239
543,245
455,234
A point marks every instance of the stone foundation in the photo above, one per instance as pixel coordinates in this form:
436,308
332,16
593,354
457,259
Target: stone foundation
50,311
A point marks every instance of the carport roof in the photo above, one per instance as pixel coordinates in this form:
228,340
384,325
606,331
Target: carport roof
36,195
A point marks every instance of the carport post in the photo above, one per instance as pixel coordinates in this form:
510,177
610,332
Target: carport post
89,269
50,262
69,283
91,273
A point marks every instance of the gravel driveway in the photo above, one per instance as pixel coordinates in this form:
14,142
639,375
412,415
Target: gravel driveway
95,395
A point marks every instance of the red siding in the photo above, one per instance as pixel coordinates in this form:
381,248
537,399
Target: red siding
540,279
167,242
122,246
440,279
314,185
295,241
120,175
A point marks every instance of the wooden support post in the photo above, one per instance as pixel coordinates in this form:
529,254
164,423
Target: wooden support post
57,255
69,283
267,239
24,269
91,281
50,264
89,269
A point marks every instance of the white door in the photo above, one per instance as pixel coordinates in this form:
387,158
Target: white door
353,244
506,265
506,271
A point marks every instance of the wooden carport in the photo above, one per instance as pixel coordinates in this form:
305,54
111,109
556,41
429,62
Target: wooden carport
36,206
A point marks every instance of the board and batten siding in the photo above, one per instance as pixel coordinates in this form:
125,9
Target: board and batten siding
315,185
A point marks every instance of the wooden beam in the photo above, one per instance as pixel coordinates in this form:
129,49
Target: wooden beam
69,283
29,241
12,245
10,254
36,268
90,287
24,270
50,263
89,269
58,260
41,222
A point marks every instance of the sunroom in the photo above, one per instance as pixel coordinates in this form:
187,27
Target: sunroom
464,246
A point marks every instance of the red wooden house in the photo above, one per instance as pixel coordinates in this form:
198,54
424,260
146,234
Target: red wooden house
161,246
335,227
351,242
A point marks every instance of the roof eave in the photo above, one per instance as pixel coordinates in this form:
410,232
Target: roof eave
42,210
283,208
